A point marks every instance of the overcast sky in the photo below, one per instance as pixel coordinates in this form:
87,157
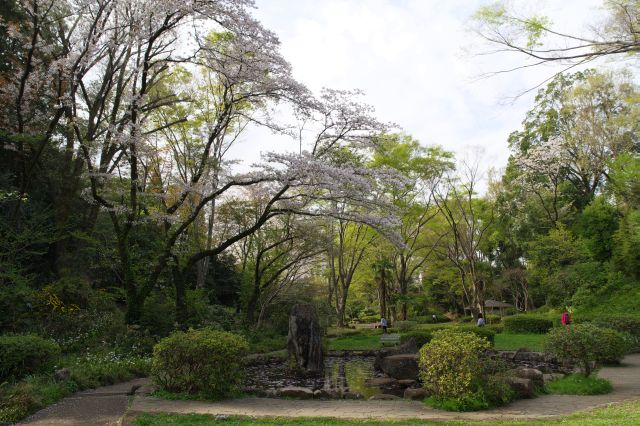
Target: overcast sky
415,61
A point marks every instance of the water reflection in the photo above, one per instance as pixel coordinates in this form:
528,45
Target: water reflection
340,373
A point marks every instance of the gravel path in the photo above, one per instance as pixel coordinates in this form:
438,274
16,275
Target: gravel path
107,405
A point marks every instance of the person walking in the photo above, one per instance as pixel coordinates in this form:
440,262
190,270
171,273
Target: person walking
565,319
383,324
434,318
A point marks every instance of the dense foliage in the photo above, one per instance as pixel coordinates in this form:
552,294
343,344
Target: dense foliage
586,345
455,370
203,362
26,354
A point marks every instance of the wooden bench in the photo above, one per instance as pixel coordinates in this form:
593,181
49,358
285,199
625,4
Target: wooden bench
391,338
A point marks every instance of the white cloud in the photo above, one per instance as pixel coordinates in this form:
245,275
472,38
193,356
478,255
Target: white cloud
408,56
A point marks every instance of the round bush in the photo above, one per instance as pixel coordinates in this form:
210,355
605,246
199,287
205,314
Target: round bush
526,324
26,354
586,344
206,362
454,368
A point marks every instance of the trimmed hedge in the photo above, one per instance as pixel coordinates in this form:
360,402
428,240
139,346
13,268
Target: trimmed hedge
203,362
527,324
419,336
26,354
405,325
485,332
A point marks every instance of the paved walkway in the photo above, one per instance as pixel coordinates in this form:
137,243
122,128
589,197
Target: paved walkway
107,405
103,406
625,380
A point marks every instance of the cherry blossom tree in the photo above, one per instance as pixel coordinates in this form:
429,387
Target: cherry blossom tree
119,94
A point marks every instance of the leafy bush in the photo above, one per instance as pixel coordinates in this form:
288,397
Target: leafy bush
484,332
205,362
26,354
527,324
496,328
493,319
625,324
403,326
455,370
585,344
421,337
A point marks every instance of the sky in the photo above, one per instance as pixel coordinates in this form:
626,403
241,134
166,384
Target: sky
418,64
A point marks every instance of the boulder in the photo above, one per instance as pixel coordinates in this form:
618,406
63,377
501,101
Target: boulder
383,397
409,347
304,343
415,393
551,376
378,382
401,367
352,395
62,375
296,392
322,394
406,383
532,374
523,388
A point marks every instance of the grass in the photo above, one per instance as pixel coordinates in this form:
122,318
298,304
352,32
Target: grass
578,384
625,414
19,399
360,342
513,342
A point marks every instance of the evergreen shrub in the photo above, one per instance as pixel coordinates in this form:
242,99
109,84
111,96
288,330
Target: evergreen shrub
456,371
26,354
204,362
586,345
527,324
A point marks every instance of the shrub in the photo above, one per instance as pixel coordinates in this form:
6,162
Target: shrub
493,319
527,324
455,370
625,324
496,328
205,362
585,344
421,337
405,325
26,354
486,332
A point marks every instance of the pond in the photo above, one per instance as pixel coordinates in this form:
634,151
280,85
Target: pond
340,374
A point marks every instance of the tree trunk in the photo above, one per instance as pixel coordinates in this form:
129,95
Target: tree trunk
382,293
182,315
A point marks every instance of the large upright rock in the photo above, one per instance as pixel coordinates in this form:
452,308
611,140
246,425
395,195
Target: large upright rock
304,341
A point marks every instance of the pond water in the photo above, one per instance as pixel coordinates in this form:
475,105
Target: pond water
340,373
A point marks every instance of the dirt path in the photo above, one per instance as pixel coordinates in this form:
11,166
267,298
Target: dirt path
107,405
625,380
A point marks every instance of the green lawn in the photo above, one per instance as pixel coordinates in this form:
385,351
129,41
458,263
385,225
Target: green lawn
512,342
626,414
355,343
